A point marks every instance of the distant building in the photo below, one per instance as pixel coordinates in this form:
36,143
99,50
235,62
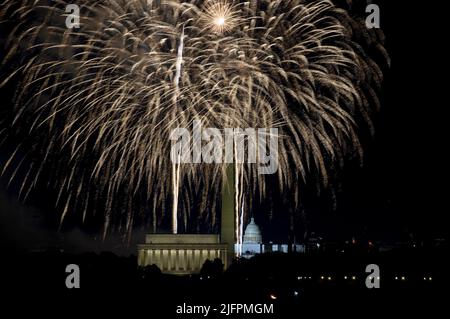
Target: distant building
252,243
186,253
180,254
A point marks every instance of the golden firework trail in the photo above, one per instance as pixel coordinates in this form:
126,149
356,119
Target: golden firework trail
97,104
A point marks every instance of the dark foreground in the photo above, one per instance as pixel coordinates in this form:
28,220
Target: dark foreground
294,284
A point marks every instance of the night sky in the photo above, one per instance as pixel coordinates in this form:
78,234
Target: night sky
400,191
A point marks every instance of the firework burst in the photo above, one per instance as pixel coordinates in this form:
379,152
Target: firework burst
97,104
220,16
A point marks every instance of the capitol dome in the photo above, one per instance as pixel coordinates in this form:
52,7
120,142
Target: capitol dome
252,233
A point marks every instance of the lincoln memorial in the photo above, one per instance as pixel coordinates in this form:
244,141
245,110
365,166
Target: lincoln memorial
181,254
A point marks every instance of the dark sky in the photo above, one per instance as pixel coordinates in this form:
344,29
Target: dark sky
402,186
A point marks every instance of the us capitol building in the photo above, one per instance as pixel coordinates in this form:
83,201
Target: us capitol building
252,243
